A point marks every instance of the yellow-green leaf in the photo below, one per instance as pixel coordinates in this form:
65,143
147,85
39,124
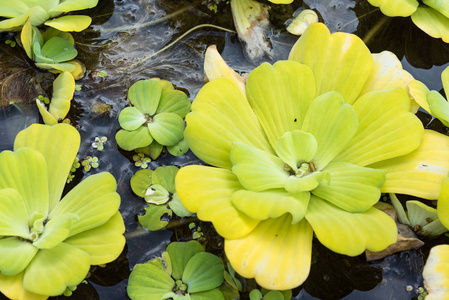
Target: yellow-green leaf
389,131
352,188
350,233
220,116
56,231
13,214
130,140
256,169
207,191
94,200
432,22
388,74
63,266
131,118
59,145
271,204
70,23
420,172
333,124
419,91
145,95
104,243
15,255
296,147
280,95
63,89
167,128
436,273
396,8
149,282
25,170
12,287
276,253
340,61
443,203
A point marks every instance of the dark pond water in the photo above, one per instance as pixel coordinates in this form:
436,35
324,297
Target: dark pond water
124,41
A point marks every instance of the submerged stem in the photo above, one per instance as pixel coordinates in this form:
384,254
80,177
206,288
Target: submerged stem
151,23
180,38
384,20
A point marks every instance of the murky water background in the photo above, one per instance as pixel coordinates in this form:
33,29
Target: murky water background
124,40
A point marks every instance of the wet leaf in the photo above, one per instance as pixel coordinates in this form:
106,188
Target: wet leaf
152,218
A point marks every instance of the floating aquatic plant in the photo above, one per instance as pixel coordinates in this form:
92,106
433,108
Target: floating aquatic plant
431,16
54,50
47,245
300,23
99,143
436,273
432,101
46,12
158,189
155,119
422,218
140,160
304,149
185,271
63,89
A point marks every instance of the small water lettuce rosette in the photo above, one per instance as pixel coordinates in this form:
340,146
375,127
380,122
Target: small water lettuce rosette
431,16
185,271
52,50
307,147
158,189
155,119
47,245
422,218
46,12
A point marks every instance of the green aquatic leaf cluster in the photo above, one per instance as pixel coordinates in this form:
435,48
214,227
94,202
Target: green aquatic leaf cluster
46,12
185,271
431,16
158,189
48,244
53,50
155,118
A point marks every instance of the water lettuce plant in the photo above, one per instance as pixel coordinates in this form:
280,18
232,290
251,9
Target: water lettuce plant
47,245
422,218
63,89
431,16
436,273
432,101
54,50
300,23
307,147
158,189
184,272
155,119
46,12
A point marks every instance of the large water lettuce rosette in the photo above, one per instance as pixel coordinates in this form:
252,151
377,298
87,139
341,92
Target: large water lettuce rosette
47,245
305,148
